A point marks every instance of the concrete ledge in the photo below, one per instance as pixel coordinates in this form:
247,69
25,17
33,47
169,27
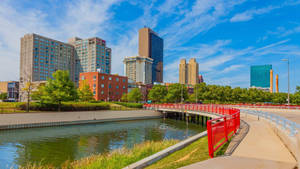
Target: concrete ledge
64,123
157,156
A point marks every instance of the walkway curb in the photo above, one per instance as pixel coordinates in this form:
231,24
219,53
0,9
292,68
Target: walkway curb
159,155
65,123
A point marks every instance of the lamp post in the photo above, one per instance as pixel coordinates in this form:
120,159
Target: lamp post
181,93
288,62
196,93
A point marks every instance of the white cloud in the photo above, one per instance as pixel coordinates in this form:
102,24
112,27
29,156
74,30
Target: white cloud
248,15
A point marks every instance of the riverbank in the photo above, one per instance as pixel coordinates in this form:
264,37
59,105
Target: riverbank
27,120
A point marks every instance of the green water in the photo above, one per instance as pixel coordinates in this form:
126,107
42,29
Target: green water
55,145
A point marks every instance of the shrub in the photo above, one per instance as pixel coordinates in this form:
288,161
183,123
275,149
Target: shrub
67,106
131,105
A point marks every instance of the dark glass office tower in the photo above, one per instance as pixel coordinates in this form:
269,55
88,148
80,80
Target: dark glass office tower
151,45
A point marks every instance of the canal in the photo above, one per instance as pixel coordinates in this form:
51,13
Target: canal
55,145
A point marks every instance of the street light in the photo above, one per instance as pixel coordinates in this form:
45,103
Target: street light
288,62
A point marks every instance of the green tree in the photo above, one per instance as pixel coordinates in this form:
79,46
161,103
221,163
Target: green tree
124,97
135,95
29,86
85,93
176,92
158,93
279,98
59,89
3,96
39,93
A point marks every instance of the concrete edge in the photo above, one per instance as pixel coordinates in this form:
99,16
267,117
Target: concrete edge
237,138
65,123
159,155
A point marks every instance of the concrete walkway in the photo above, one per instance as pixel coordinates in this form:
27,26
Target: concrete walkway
260,149
31,118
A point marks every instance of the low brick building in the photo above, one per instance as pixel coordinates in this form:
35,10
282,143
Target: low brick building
105,87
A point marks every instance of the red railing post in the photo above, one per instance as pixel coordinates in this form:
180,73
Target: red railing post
209,138
226,128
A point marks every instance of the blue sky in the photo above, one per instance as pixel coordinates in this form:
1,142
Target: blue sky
225,36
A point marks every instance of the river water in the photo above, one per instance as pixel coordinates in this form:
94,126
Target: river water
55,145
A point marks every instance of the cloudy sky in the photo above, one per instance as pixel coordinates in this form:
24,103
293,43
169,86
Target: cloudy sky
225,36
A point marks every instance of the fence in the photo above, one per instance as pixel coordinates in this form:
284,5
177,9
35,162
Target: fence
219,130
290,126
271,106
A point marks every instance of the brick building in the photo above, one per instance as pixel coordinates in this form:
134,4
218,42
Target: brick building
105,87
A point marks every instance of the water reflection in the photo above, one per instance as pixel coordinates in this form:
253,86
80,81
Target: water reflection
55,145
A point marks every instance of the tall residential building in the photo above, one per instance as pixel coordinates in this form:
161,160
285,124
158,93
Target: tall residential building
271,81
260,77
193,72
139,69
152,46
41,56
91,55
189,72
183,72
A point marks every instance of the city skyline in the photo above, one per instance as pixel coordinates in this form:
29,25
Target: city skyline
225,42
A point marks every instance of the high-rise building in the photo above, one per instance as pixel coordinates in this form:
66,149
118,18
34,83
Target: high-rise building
41,56
271,81
193,72
189,72
260,77
139,69
152,46
183,72
277,83
91,55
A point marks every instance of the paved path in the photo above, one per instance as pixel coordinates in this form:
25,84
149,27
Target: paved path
261,148
29,118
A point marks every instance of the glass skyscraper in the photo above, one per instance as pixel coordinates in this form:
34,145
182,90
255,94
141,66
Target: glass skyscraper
152,46
260,76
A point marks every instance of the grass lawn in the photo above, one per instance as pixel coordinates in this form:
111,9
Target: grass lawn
195,152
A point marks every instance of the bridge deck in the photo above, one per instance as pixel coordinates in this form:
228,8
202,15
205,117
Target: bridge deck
261,148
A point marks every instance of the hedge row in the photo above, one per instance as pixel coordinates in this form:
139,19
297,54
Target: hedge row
67,106
131,105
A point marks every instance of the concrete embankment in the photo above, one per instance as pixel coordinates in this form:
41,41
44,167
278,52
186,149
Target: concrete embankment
27,120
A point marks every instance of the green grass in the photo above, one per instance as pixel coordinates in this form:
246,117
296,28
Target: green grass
114,160
195,152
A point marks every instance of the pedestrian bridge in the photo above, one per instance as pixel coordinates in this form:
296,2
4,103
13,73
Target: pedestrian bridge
271,142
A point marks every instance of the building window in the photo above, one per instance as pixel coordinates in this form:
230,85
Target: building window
82,77
117,79
123,80
102,85
124,87
109,86
94,86
94,92
95,77
102,92
109,78
117,87
102,77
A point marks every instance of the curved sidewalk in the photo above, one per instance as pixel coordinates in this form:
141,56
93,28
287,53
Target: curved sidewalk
260,149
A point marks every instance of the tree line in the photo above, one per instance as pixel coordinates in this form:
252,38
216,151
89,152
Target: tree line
204,93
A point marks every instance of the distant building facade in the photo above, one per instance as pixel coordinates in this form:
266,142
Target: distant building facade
189,72
152,46
139,69
105,87
260,77
91,55
183,72
200,79
12,90
41,56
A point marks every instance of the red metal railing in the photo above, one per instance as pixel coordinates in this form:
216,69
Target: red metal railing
219,130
